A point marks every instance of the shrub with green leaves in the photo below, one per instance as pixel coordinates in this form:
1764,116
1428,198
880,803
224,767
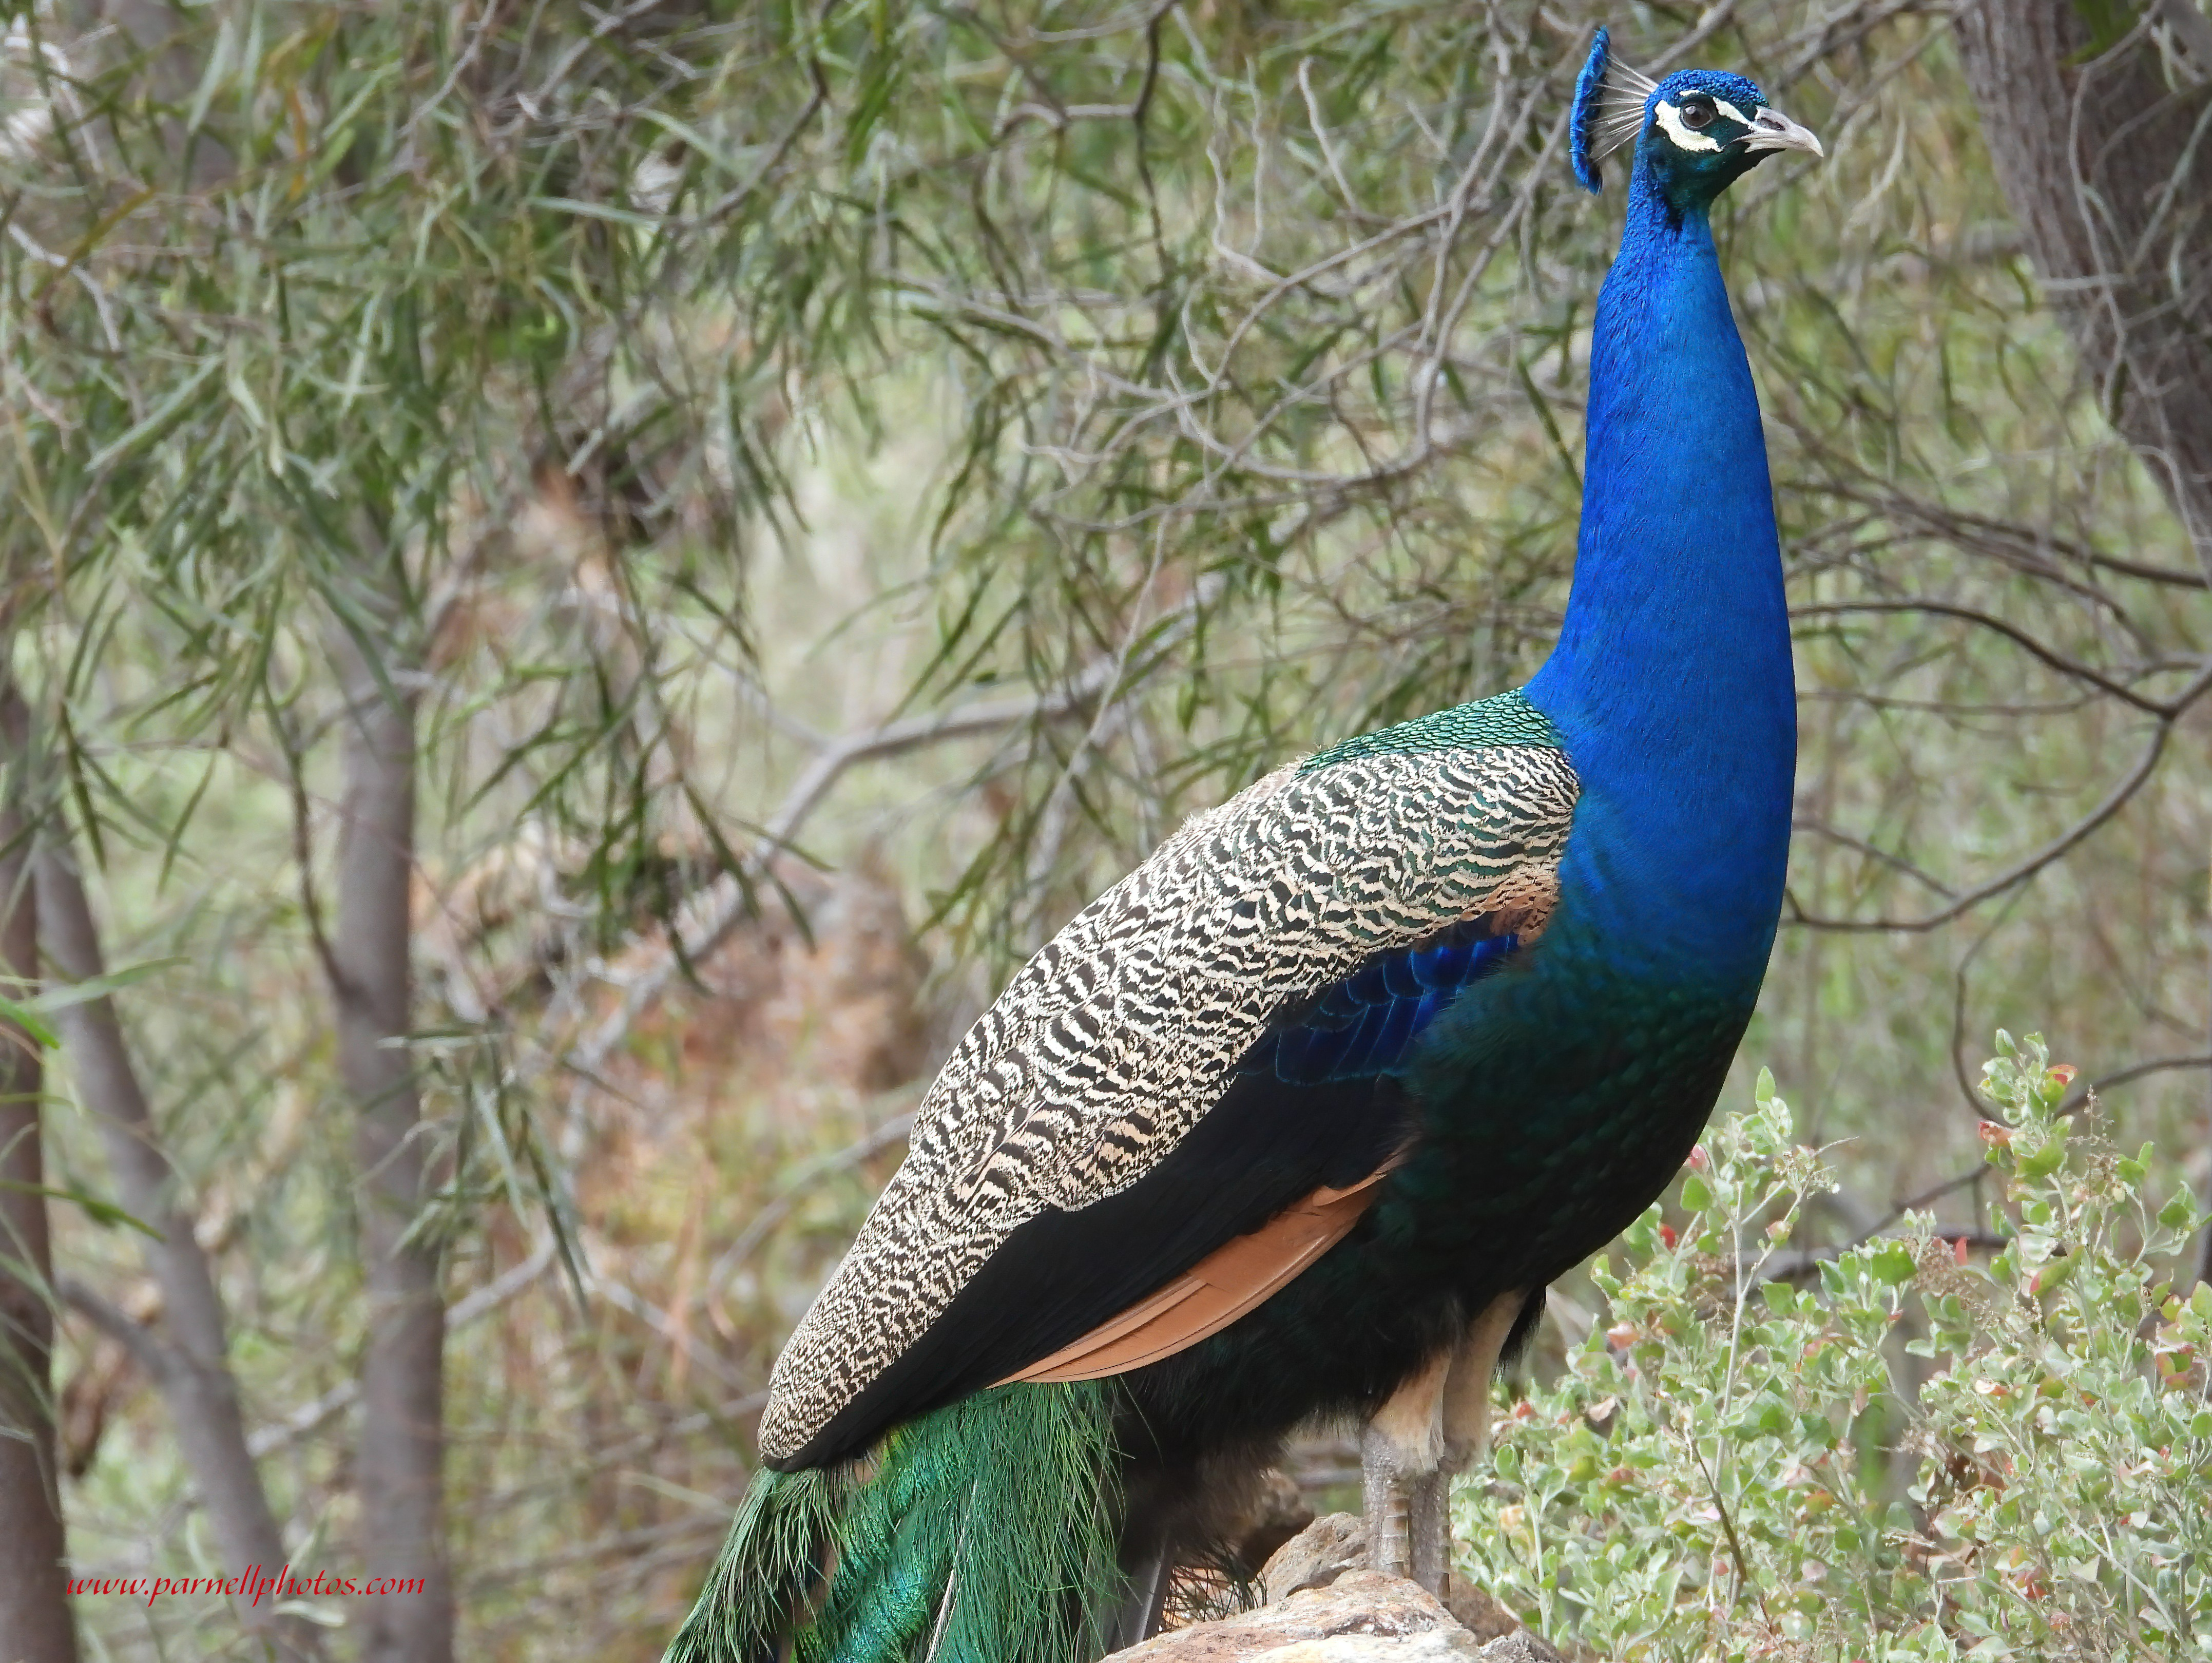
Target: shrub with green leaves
1895,1451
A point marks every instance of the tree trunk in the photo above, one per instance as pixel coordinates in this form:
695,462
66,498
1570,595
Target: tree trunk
2102,162
35,1626
193,1351
399,1463
2099,159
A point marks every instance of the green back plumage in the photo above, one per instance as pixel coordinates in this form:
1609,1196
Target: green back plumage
1506,718
980,1533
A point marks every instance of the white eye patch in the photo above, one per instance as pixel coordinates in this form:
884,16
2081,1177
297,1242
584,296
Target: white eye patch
1670,122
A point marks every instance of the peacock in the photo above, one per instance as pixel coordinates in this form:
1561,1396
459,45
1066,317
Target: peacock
1300,1118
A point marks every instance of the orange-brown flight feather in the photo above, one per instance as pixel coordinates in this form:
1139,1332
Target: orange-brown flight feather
1216,1291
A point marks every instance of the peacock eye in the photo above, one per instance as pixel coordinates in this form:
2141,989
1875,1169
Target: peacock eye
1697,112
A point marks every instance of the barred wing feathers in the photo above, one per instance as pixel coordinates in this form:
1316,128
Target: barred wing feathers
1093,1139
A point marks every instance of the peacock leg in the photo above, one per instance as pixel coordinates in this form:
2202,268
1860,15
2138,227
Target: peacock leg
1400,1447
1138,1615
1431,1428
1428,1517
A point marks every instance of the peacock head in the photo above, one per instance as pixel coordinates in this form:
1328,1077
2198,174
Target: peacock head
1696,132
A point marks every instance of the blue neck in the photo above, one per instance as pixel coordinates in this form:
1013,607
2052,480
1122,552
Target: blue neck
1671,679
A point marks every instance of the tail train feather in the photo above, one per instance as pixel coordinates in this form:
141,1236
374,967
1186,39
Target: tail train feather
982,1532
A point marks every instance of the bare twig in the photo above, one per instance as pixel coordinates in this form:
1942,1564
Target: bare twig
2122,792
1872,851
2081,1094
892,1132
480,1302
710,916
145,1348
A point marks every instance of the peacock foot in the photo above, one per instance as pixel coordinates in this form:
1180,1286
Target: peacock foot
1428,1431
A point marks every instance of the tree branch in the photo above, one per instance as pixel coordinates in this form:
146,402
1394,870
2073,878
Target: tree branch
192,1369
1875,852
716,911
2114,800
311,1417
144,1346
1996,626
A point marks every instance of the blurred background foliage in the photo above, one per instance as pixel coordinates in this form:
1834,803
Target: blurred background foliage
837,483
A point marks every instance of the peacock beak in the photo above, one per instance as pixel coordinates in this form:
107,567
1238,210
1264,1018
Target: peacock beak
1771,130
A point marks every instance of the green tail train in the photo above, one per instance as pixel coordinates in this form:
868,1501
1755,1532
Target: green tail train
982,1532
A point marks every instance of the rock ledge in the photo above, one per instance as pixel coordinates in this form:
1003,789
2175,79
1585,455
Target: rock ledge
1359,1616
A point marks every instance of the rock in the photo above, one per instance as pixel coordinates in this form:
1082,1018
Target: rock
1331,1545
1475,1610
1490,1622
1360,1649
1273,1513
1361,1616
1334,1544
1519,1646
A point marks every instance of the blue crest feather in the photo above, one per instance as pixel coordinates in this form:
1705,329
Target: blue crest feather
1589,87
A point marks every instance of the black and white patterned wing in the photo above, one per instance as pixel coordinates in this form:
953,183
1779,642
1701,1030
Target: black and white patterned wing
1092,1137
